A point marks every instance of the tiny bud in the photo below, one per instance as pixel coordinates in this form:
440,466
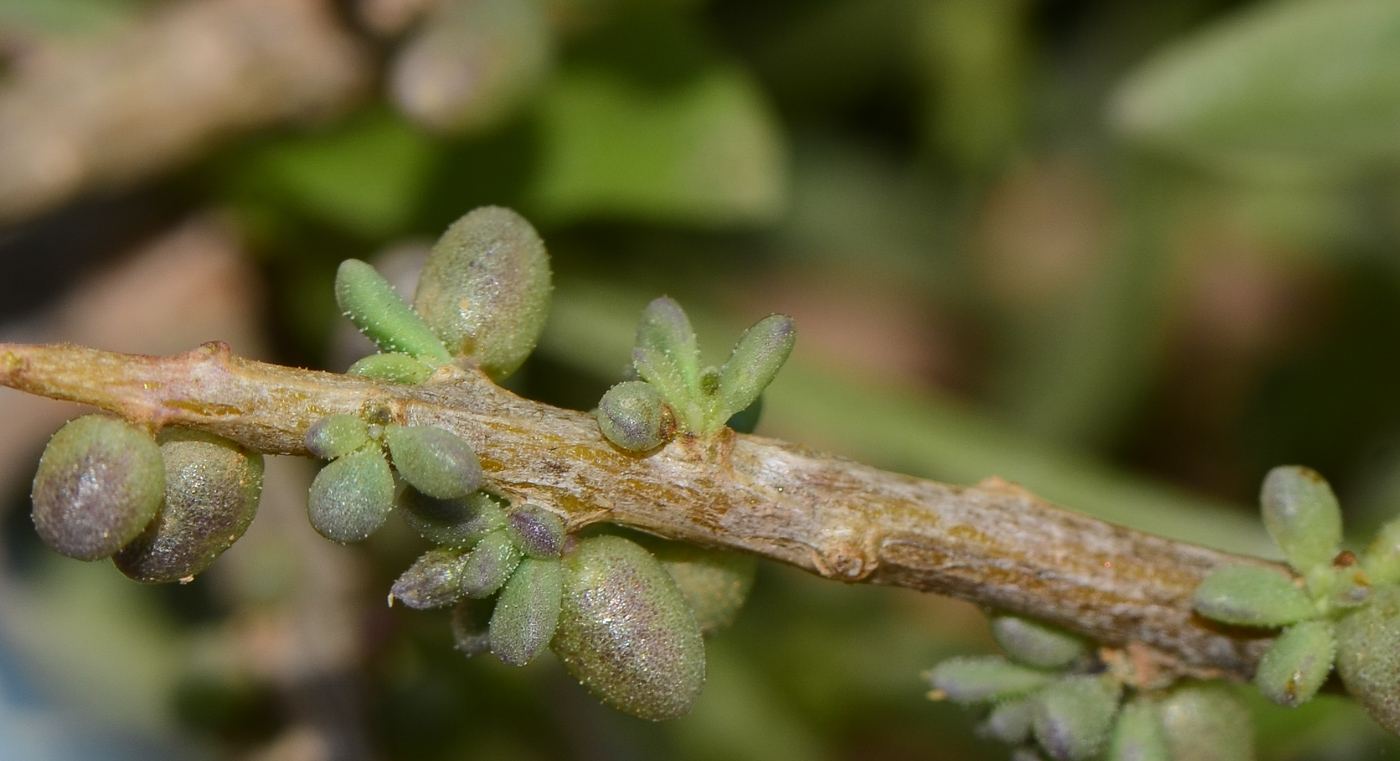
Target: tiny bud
351,497
336,436
471,626
1252,596
632,416
715,584
485,289
1302,515
756,360
1297,664
981,678
490,564
537,531
433,460
99,483
1138,735
392,367
433,581
1009,721
1073,716
527,612
1206,722
1037,644
458,522
1368,656
667,357
212,487
626,632
382,315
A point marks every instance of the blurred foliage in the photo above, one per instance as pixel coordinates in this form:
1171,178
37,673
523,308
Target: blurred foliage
1130,255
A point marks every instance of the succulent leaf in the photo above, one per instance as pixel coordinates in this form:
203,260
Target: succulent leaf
1368,656
667,357
382,315
537,531
1073,716
1036,644
756,360
489,565
99,483
981,678
1138,734
1297,664
1302,515
527,612
1382,557
1009,721
433,581
336,436
1252,596
626,632
458,522
1206,722
433,460
212,488
633,416
392,367
485,289
352,496
715,584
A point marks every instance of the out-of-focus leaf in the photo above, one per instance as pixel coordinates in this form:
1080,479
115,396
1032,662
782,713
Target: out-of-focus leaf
705,153
67,18
1303,85
366,175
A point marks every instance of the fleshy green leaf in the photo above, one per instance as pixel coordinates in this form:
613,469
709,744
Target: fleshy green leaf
667,357
336,436
715,584
1252,596
382,315
1138,734
392,367
527,612
451,522
976,679
1206,722
1009,721
632,416
434,460
1298,663
536,531
1073,716
1302,516
1036,644
1368,656
756,360
352,496
433,581
490,564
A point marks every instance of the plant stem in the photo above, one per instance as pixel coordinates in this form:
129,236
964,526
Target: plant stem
994,544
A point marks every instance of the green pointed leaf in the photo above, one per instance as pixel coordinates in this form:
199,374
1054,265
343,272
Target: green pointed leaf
1037,644
1297,664
1073,716
382,315
392,367
100,482
527,612
1309,85
756,360
976,679
1252,596
490,564
667,357
1206,722
1138,734
1302,515
352,496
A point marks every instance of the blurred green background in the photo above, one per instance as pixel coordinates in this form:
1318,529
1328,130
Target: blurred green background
1130,255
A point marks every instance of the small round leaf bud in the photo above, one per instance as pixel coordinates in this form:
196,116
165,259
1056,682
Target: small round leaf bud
485,289
1368,656
1206,722
537,531
433,460
471,626
1302,515
1138,735
382,315
527,612
433,581
626,632
100,482
982,678
715,584
756,360
1009,721
632,416
1297,664
351,497
451,522
336,436
392,367
1073,716
490,564
1037,644
212,487
1252,596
